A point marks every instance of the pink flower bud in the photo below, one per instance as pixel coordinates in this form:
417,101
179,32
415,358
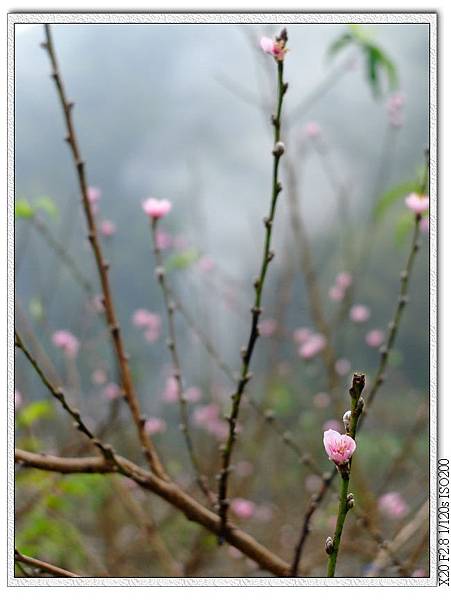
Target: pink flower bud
267,327
67,342
359,313
154,425
339,448
244,509
417,204
107,228
156,208
274,47
375,338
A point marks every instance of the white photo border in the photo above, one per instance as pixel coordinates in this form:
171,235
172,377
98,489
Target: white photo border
289,17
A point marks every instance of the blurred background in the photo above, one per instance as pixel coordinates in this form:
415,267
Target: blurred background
183,112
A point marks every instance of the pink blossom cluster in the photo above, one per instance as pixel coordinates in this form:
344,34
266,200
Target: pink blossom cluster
149,322
309,343
156,209
342,282
274,47
417,203
395,106
393,505
208,417
67,342
359,313
339,448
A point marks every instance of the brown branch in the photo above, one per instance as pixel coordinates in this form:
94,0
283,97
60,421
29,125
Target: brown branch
42,566
169,491
102,266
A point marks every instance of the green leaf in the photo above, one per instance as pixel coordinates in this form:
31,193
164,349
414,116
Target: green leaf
183,260
389,198
23,209
36,309
377,63
42,409
344,40
47,205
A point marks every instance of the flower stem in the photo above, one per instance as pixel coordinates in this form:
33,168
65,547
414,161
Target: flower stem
256,309
342,512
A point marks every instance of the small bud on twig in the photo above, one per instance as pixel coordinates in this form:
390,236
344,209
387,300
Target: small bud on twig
279,149
329,545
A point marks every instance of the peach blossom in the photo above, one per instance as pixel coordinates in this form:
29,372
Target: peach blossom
156,208
244,509
67,342
393,505
418,204
339,447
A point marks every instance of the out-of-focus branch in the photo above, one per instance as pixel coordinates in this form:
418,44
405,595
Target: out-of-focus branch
176,365
169,491
42,566
102,266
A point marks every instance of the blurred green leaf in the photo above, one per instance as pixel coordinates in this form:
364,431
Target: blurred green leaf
404,225
23,209
345,40
389,198
281,399
36,309
47,205
41,409
182,260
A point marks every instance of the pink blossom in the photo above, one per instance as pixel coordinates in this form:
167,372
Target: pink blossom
107,228
343,280
342,366
418,204
144,318
17,399
321,400
206,264
359,313
99,377
154,425
171,390
67,342
313,346
94,195
336,293
312,130
301,335
243,509
375,338
339,447
111,391
424,225
193,394
393,505
267,327
163,240
274,47
156,208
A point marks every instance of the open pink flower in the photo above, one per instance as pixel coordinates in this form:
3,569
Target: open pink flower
359,313
339,447
67,342
375,338
418,204
154,425
244,509
393,505
156,208
107,228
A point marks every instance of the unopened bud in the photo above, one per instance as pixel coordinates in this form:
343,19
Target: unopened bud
279,149
347,420
329,545
350,501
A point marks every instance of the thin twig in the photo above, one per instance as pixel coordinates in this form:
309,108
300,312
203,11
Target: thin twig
176,365
42,566
102,266
256,310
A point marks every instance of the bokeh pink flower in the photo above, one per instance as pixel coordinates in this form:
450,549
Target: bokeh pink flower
339,448
154,425
267,327
359,313
242,508
156,209
67,342
313,346
417,203
375,338
107,228
393,505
